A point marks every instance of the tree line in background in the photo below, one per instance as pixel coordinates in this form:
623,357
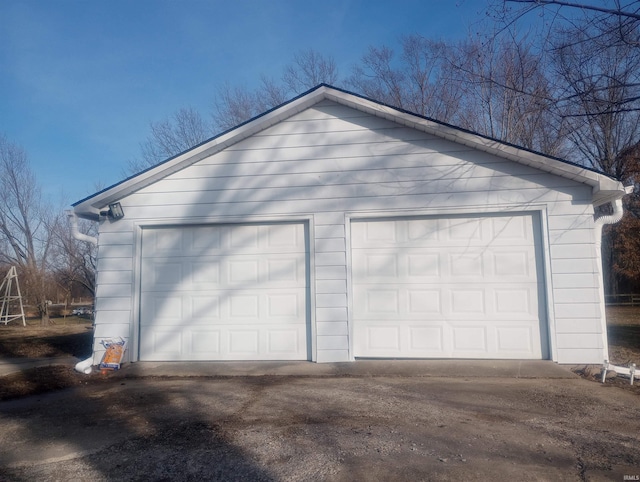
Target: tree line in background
557,77
36,238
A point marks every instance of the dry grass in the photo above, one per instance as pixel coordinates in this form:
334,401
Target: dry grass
71,336
624,334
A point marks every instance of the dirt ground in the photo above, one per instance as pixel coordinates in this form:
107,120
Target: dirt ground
71,336
324,428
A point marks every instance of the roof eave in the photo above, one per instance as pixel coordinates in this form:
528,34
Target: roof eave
90,207
605,188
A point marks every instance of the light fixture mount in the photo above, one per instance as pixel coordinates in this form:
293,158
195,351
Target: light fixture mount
115,211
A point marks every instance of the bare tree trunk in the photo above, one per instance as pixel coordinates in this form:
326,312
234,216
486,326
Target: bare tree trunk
43,308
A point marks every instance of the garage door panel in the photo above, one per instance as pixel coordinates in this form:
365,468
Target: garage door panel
204,344
165,309
161,343
384,338
442,301
465,302
510,228
227,342
461,231
380,265
251,271
470,339
452,287
205,308
241,306
448,264
515,339
225,239
236,292
423,301
403,340
515,301
520,263
426,339
278,270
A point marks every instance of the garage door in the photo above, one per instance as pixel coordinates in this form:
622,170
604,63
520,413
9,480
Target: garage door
224,292
455,287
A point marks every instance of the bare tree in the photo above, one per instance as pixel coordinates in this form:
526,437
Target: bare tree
499,89
376,77
600,27
184,129
599,93
235,105
271,93
75,261
418,79
232,106
507,95
623,19
26,226
430,90
621,243
308,69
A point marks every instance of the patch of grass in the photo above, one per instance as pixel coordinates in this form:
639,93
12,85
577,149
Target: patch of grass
623,329
57,321
72,336
623,315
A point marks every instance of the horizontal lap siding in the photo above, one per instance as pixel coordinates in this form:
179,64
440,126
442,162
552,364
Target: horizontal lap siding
331,287
330,160
337,204
576,286
114,294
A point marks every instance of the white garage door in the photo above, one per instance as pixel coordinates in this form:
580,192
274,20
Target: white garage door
224,292
455,287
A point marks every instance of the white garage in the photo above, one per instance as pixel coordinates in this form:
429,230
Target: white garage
334,228
224,292
448,287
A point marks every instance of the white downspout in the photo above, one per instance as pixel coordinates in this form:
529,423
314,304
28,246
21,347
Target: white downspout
618,212
85,366
73,221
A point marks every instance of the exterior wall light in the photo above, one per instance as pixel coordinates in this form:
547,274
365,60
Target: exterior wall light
115,211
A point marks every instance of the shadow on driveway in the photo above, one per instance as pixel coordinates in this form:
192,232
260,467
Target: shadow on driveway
302,427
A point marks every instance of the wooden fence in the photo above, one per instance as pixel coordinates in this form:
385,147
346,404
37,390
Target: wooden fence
622,300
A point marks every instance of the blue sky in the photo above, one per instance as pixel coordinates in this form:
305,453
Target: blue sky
80,81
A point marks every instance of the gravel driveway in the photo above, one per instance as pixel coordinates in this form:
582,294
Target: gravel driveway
324,428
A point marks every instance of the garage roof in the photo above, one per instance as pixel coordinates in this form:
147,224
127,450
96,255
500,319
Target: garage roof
605,188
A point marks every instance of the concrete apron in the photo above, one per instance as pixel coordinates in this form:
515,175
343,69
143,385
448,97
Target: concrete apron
360,368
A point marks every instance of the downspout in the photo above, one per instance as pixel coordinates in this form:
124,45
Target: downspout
73,221
85,366
618,212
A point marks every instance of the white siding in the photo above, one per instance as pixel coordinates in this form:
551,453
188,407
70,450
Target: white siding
330,161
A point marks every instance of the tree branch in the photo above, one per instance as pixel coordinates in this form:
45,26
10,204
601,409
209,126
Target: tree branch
582,6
